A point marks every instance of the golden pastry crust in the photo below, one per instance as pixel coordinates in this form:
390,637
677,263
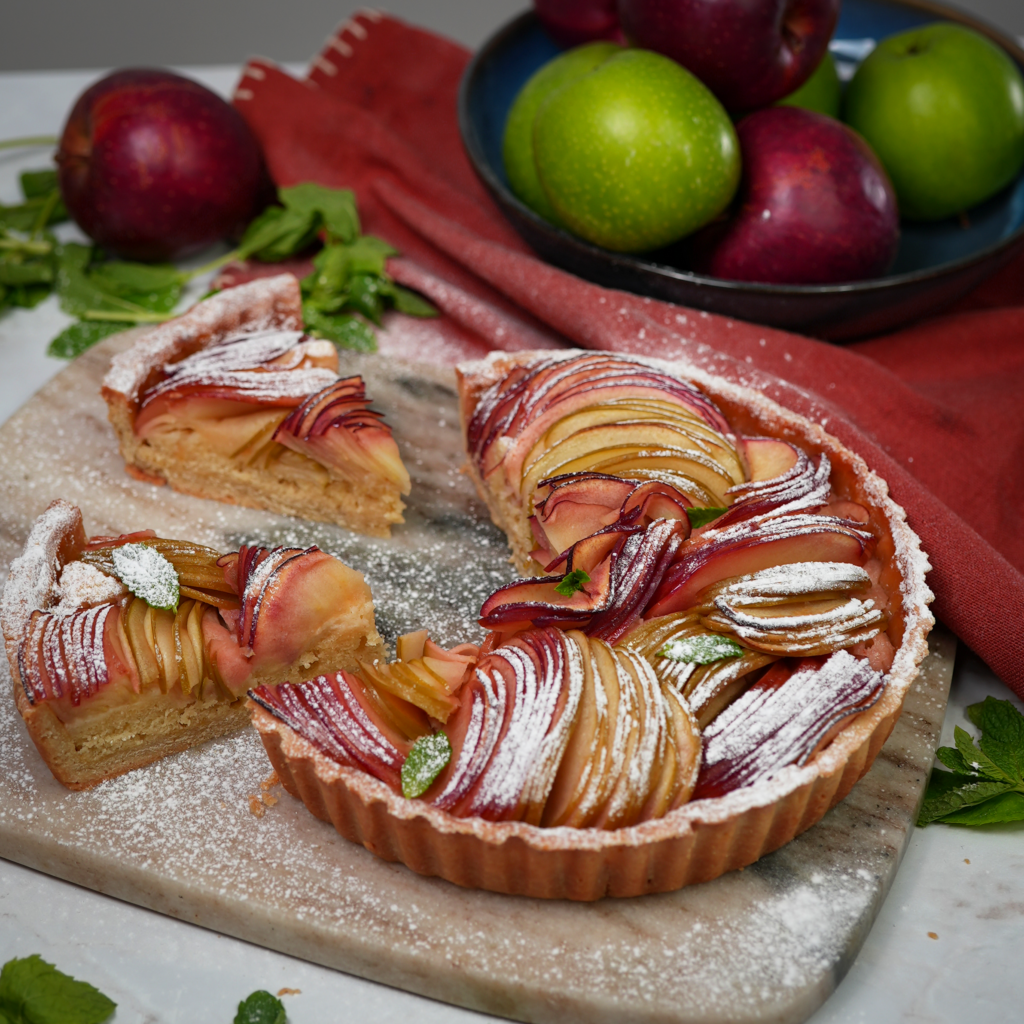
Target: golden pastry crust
700,840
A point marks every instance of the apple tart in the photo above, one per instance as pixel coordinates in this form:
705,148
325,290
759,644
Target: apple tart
720,616
126,649
231,401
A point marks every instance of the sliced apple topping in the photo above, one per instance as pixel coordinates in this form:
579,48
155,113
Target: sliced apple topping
336,428
624,568
576,506
756,544
199,576
709,687
515,413
806,608
804,487
340,717
793,711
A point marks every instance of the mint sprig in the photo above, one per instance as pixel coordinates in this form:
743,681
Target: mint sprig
35,992
261,1008
427,759
985,784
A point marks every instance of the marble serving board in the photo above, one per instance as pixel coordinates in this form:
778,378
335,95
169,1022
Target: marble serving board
200,837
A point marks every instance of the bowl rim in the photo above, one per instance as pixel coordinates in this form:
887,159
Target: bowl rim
636,262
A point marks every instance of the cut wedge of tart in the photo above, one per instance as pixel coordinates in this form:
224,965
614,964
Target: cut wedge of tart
231,401
721,614
126,649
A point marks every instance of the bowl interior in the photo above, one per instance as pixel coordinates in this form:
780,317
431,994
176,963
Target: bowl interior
523,47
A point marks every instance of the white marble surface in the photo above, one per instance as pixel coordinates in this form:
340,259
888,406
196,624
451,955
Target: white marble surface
965,886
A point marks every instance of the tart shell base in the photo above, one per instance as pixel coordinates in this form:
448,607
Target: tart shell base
694,844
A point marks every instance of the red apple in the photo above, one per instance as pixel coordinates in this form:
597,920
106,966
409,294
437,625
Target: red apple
154,166
572,22
815,206
749,53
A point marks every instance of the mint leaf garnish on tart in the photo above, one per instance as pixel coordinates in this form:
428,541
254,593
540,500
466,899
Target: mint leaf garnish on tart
703,649
427,759
35,992
702,516
572,582
147,574
986,782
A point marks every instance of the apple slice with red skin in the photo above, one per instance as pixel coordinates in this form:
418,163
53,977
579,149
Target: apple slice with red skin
336,427
794,710
338,716
751,546
802,488
527,401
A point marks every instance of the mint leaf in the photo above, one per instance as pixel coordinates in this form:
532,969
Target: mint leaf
278,233
261,1008
412,304
1002,734
427,759
1005,807
147,574
572,582
976,760
79,336
345,330
703,649
335,208
949,793
954,760
35,992
702,516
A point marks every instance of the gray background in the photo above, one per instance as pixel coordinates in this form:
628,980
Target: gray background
50,34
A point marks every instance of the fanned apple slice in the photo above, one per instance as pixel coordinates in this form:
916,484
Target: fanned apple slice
792,712
754,545
337,715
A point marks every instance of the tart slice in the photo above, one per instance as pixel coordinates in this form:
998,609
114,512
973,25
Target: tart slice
730,613
231,401
126,649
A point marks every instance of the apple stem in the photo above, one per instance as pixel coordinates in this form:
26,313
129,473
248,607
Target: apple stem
127,318
29,140
26,246
212,265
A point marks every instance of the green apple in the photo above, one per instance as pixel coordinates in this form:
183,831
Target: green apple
636,153
517,145
821,92
944,110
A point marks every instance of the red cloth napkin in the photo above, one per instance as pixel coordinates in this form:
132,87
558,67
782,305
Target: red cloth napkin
936,409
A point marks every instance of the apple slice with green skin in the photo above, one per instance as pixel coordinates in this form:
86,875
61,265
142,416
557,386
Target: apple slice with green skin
751,546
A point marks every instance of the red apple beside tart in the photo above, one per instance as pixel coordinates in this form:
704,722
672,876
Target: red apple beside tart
720,616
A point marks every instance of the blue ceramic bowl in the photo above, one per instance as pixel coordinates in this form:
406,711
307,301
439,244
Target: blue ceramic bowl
937,263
